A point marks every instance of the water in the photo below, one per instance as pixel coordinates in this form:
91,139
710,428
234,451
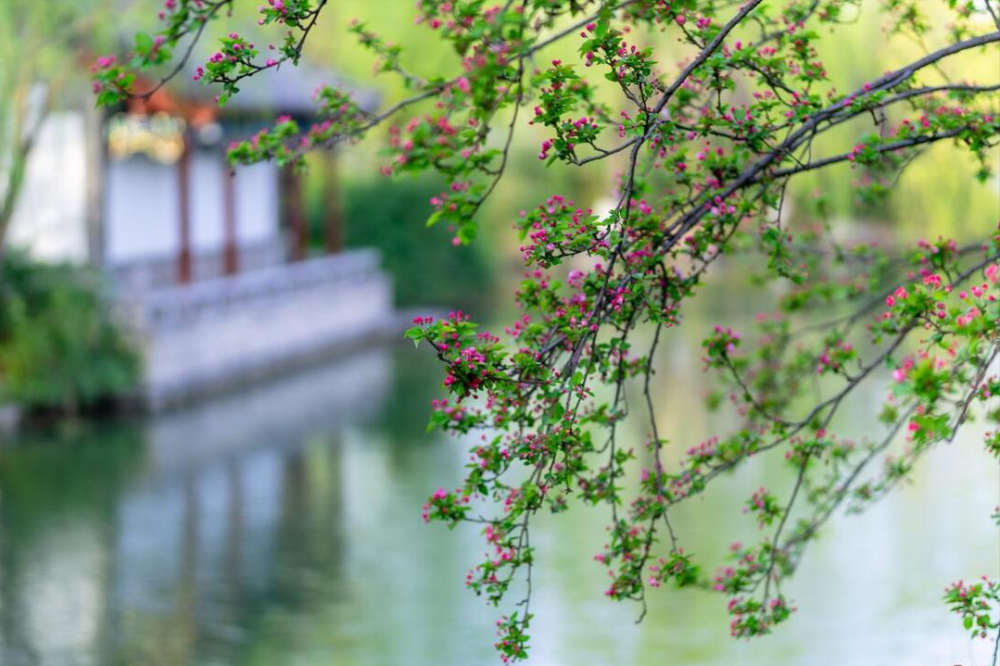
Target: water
281,526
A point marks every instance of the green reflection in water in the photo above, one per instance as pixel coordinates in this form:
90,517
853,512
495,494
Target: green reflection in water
281,526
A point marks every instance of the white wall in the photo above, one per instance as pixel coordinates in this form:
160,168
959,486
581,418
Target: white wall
257,203
141,210
207,211
50,218
141,201
142,206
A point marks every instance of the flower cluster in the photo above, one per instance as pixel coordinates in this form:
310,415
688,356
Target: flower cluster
976,603
286,142
235,58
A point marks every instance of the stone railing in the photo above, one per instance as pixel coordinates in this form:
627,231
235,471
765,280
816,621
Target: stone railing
215,334
161,272
182,304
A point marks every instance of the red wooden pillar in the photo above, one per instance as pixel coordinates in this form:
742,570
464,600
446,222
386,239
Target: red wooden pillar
291,193
184,216
230,246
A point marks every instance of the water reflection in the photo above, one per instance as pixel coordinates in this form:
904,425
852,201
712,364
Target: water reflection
281,526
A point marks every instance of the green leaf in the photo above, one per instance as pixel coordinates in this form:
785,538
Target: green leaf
143,42
416,334
107,98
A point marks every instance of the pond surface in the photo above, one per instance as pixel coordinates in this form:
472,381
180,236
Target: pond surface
281,526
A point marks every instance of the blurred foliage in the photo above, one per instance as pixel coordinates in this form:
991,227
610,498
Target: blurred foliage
426,269
926,202
60,348
929,199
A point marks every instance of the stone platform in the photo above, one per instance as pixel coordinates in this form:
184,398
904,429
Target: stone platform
222,333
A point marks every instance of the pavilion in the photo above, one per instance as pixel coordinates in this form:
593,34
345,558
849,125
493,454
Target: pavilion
212,267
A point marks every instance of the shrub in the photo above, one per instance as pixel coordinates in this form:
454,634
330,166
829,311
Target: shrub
426,268
60,348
